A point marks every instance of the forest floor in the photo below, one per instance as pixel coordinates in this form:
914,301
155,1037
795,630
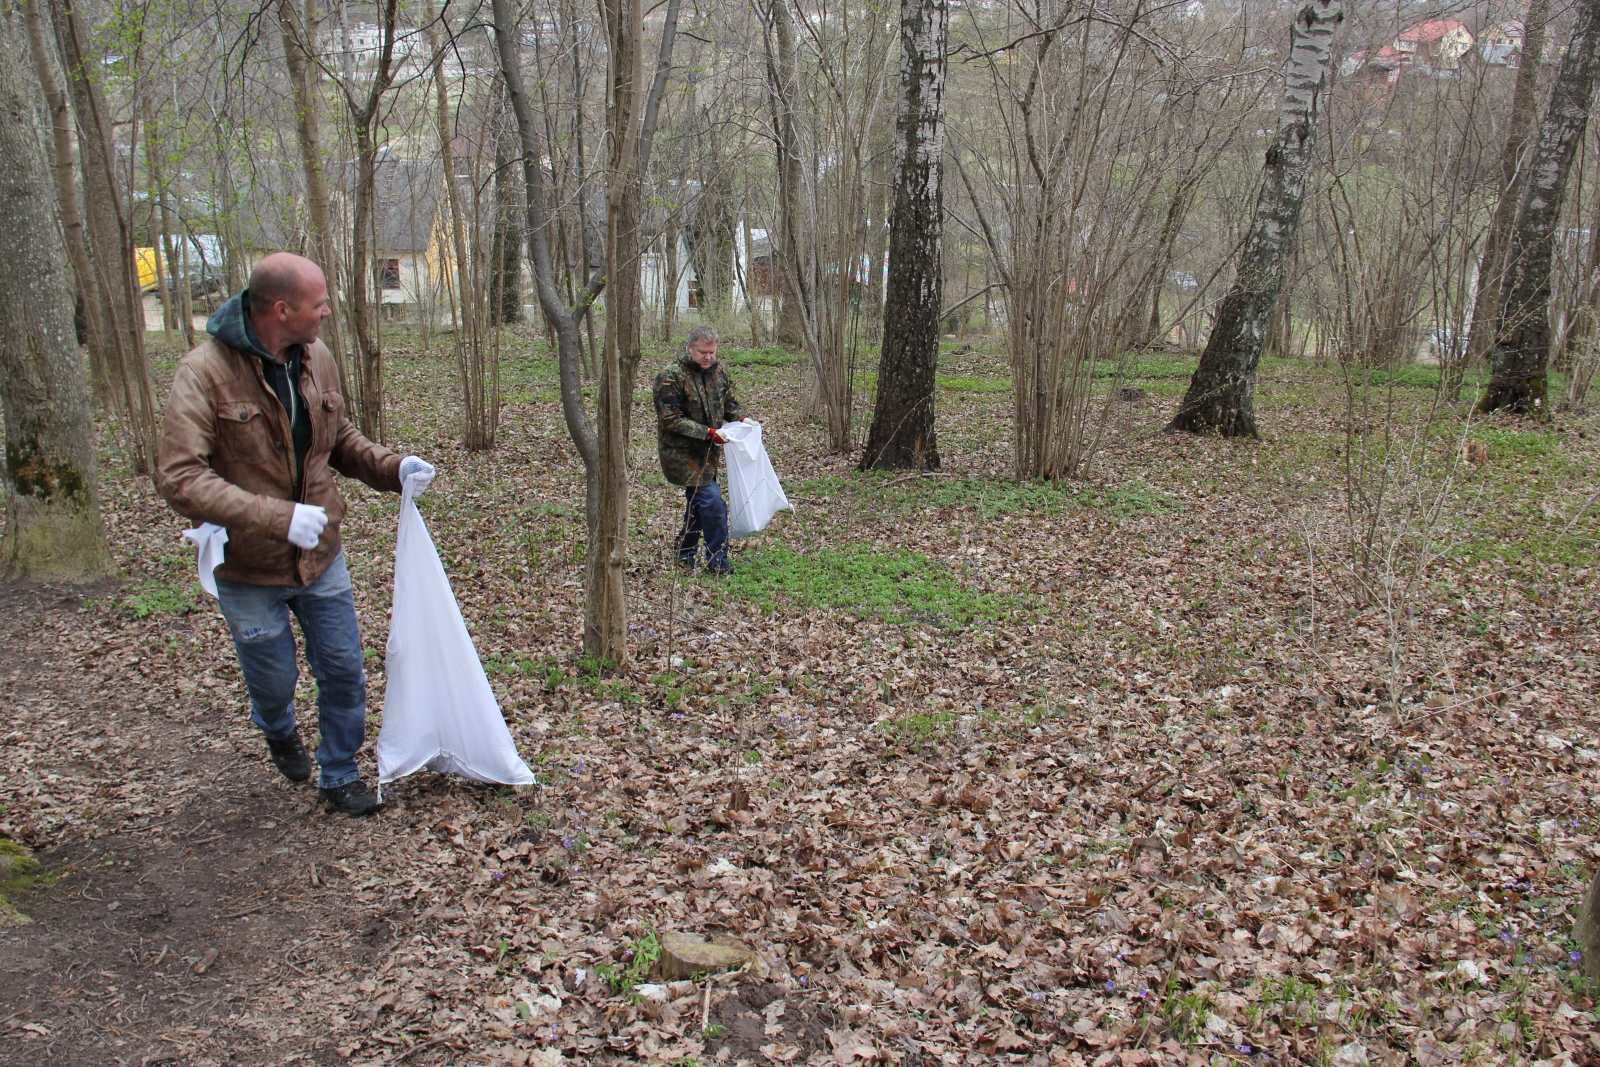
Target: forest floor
1271,752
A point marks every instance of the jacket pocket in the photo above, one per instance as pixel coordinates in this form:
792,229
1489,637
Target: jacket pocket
245,433
329,409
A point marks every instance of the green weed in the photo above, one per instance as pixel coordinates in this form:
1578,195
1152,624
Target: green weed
1187,1015
157,598
971,383
895,586
920,730
637,960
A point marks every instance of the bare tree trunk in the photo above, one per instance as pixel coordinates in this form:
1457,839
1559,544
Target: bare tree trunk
1521,352
792,310
110,238
364,116
300,56
160,221
99,326
746,271
562,319
505,275
53,528
902,435
480,414
1221,396
1513,172
669,284
605,623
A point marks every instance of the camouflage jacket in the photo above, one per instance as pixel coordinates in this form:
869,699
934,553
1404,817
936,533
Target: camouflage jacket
689,401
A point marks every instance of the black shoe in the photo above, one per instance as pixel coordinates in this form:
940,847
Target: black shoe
720,570
290,757
352,798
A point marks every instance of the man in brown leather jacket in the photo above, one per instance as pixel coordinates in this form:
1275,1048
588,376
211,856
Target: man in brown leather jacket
255,427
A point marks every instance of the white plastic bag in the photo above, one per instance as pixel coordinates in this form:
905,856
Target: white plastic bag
754,495
209,539
438,709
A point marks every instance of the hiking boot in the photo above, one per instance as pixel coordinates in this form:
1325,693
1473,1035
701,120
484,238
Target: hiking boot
352,798
290,757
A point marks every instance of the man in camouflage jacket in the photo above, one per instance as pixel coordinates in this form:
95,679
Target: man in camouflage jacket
693,397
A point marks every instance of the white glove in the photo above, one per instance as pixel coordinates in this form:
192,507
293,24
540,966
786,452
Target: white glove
305,529
421,469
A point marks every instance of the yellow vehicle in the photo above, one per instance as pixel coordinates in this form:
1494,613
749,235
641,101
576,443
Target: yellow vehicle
203,277
152,266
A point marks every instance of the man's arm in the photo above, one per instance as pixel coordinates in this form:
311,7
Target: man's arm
366,461
183,468
669,410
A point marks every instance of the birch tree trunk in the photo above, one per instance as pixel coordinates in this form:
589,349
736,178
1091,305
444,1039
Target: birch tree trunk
1521,354
902,435
1221,396
53,527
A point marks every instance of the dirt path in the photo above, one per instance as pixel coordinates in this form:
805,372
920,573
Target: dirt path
190,929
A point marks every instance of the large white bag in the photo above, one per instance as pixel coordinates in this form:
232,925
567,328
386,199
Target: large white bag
438,709
754,495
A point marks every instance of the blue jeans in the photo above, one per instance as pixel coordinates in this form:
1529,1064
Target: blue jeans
258,615
704,515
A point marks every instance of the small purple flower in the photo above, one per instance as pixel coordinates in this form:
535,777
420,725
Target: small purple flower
1575,956
1242,1048
802,979
497,876
1110,986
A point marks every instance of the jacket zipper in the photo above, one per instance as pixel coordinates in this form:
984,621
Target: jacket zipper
279,415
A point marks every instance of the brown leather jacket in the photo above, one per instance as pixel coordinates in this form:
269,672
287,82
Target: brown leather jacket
226,457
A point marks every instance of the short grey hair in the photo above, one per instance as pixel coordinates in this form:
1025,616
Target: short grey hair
702,332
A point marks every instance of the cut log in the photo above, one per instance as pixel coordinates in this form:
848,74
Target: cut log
687,956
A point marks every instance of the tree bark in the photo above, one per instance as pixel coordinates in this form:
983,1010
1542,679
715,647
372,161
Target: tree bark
505,275
160,222
53,526
480,401
364,115
1521,352
1513,170
605,623
793,308
299,34
96,320
1221,396
902,435
110,239
562,319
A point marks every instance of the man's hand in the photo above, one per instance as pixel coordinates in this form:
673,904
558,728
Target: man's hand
716,438
418,467
305,528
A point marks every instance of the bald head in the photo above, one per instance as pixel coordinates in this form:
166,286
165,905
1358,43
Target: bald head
283,276
288,301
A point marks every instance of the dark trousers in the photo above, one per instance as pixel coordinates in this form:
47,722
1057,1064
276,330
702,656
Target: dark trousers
704,515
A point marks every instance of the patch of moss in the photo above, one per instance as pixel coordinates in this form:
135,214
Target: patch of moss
18,873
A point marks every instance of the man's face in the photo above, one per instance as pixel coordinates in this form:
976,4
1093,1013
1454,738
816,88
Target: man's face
704,353
302,320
